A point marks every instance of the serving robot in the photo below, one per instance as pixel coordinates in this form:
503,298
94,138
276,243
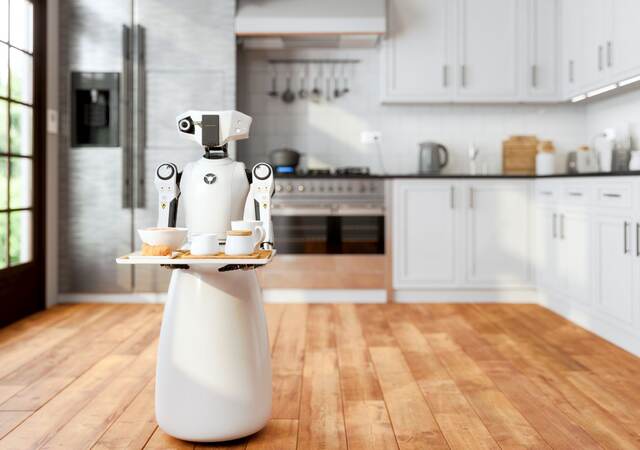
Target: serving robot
213,376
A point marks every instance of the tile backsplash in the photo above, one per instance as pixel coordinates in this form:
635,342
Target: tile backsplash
328,132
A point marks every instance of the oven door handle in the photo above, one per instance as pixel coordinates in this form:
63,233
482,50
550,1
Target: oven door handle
359,210
301,210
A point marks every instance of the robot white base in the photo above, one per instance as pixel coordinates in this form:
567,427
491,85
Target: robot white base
213,378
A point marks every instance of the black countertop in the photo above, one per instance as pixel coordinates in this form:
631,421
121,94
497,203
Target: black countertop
468,176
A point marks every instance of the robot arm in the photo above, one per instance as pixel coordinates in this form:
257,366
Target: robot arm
258,203
167,183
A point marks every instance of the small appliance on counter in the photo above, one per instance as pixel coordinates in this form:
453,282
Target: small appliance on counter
572,162
620,160
586,160
634,161
433,157
546,158
284,160
604,143
519,155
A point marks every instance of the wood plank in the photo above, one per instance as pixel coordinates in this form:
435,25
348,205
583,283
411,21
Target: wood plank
460,425
43,425
162,441
273,313
86,427
321,422
413,423
133,428
279,434
505,423
368,425
288,361
11,419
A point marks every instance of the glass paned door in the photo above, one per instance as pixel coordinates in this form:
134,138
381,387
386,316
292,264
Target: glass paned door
16,133
22,141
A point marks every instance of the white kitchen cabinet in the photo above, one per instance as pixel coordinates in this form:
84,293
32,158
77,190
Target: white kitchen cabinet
541,74
417,54
573,256
546,252
424,234
615,268
623,57
572,61
498,234
595,15
488,50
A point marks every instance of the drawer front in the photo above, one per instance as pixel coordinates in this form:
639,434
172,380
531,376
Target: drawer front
576,194
546,192
614,195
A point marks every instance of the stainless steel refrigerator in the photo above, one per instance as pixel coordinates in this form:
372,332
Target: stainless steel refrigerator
127,69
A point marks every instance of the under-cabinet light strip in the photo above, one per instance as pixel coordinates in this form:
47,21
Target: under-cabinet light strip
602,90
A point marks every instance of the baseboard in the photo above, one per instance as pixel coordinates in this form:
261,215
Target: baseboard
269,295
324,295
616,335
467,296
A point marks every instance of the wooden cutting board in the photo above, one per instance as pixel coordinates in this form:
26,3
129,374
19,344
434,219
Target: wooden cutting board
519,155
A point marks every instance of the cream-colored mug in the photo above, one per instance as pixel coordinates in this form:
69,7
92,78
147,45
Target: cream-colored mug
255,226
240,242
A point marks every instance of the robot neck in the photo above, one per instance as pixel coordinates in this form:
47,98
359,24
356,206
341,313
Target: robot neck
215,152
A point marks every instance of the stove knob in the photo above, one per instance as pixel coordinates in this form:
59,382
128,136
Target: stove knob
321,188
289,188
278,188
339,188
300,188
349,188
363,188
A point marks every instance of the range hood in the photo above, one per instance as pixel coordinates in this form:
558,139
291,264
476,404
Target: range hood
310,23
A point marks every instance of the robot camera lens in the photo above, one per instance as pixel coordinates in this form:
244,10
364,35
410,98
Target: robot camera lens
186,125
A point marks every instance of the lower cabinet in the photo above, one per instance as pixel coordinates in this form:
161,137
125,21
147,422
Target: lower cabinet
498,234
461,234
616,264
424,234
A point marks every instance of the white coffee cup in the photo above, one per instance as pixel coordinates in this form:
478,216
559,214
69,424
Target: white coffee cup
255,226
240,242
205,244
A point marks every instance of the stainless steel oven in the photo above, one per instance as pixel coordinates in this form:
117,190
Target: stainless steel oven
329,215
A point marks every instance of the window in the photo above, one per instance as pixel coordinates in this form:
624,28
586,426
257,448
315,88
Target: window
16,132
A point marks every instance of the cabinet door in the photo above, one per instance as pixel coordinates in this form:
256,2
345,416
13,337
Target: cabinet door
540,79
614,269
416,54
574,256
545,247
487,51
593,43
424,230
498,234
573,54
623,56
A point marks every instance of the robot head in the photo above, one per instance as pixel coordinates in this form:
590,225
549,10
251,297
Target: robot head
214,129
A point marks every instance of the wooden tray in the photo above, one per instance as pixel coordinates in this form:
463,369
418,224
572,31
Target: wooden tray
260,258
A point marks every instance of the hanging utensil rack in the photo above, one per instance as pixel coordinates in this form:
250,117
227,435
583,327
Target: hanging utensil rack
313,61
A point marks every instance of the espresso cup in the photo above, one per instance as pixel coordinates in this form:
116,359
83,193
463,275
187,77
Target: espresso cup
255,226
205,244
240,242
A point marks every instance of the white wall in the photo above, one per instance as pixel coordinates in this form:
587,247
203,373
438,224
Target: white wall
621,112
329,132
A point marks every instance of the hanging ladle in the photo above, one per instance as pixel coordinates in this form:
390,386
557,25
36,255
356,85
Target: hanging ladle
274,89
288,96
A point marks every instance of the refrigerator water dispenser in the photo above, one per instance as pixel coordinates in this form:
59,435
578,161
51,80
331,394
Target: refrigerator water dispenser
94,109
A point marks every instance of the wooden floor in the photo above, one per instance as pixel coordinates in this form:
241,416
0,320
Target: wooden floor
345,376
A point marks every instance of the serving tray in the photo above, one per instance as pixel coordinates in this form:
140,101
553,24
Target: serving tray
261,257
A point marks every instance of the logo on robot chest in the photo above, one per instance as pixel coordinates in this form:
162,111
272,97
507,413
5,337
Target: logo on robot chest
210,178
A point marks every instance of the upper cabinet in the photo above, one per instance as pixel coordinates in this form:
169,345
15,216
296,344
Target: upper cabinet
418,58
599,40
487,53
470,51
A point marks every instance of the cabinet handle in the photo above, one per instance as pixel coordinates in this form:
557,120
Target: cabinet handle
445,77
609,54
451,197
463,75
599,57
575,194
546,192
637,239
626,239
534,75
571,78
471,202
553,226
562,226
607,194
